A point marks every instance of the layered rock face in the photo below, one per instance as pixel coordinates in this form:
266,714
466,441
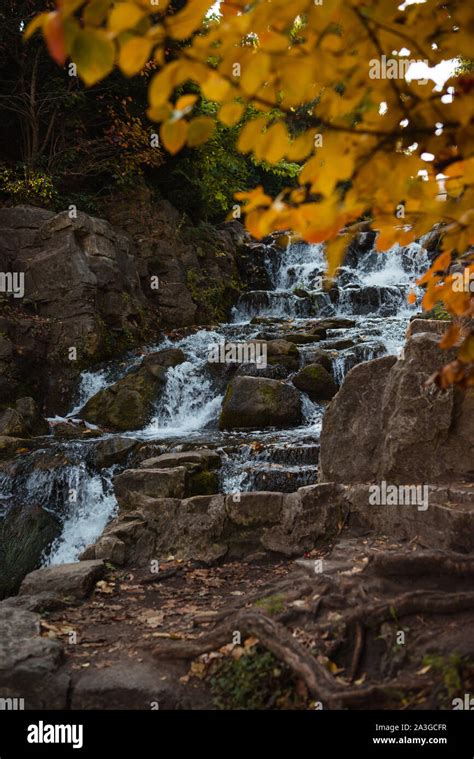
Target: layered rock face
86,291
385,423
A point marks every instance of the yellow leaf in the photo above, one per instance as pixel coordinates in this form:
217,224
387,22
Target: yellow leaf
173,135
215,88
200,130
255,71
273,145
124,16
231,113
95,12
94,54
134,53
163,84
35,24
183,24
160,112
249,134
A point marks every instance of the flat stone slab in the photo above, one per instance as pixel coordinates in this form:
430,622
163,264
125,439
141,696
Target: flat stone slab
205,458
128,686
70,580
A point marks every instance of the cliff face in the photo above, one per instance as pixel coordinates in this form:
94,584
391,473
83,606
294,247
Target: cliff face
76,290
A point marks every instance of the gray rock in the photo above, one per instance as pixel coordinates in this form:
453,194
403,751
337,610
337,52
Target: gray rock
66,580
203,457
29,664
395,428
129,686
155,483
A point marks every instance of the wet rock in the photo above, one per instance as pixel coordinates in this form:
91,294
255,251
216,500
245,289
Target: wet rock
299,338
66,580
334,323
316,381
273,371
10,445
113,450
434,326
283,353
168,358
24,420
25,534
340,345
252,403
29,664
71,430
325,358
127,404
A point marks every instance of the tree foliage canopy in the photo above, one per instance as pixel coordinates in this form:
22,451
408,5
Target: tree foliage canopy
327,84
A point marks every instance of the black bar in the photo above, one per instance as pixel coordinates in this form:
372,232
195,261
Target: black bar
424,734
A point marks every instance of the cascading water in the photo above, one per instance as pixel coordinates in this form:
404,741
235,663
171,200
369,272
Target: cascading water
372,297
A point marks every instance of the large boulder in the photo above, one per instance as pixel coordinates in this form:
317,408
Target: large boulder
127,404
385,423
316,381
253,403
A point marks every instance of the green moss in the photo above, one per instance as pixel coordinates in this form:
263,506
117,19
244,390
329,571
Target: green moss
203,483
272,605
450,669
256,681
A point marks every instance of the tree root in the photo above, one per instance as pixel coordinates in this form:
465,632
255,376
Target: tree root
417,602
419,564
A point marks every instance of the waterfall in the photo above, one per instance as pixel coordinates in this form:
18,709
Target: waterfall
371,290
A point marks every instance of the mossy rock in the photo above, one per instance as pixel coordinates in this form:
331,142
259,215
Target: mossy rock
129,403
316,381
203,483
254,403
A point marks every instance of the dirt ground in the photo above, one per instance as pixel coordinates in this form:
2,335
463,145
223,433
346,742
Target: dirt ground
367,623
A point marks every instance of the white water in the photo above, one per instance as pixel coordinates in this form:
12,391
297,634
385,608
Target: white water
87,518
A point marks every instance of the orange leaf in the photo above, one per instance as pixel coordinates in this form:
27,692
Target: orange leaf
54,34
450,337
